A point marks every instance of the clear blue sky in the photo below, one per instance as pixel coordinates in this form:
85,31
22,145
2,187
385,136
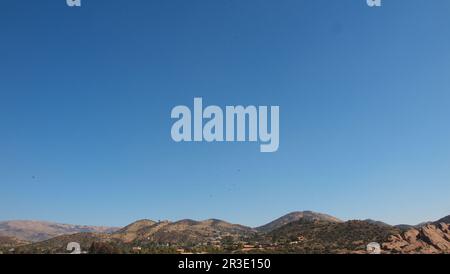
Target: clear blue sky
86,95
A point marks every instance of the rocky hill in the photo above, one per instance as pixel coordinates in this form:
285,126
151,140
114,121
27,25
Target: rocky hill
430,239
184,231
296,216
305,236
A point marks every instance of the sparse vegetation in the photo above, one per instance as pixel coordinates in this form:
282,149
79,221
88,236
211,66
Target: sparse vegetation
321,234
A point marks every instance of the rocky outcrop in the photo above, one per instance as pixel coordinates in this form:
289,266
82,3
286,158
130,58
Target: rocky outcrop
431,239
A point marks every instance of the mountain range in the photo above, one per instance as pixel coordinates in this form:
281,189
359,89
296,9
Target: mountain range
296,232
34,231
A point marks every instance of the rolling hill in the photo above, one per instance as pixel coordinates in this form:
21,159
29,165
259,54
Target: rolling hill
146,232
183,231
297,232
7,243
35,231
316,236
296,216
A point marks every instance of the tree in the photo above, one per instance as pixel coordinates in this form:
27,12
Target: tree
103,248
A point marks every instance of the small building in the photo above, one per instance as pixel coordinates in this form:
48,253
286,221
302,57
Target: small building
180,250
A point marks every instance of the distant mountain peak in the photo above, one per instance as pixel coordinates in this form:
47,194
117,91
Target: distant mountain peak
296,216
137,225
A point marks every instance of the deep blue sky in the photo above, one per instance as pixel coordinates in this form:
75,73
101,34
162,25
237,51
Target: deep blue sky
86,95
